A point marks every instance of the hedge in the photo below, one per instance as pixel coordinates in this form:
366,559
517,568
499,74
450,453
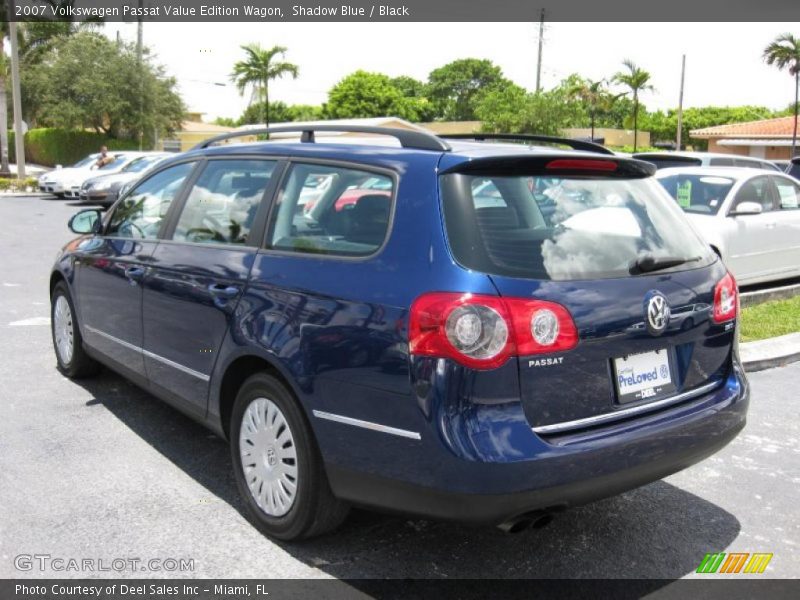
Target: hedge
50,147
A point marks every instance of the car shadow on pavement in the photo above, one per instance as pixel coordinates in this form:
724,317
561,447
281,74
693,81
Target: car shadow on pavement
655,532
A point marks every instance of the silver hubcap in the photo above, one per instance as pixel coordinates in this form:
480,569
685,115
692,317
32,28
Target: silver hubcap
269,459
62,330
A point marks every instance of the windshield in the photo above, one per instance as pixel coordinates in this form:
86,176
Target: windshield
543,227
703,194
86,161
140,164
114,164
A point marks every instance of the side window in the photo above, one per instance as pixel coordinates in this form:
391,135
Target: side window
223,202
141,213
756,190
331,210
788,193
720,162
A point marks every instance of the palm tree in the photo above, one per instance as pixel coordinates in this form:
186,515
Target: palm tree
259,69
593,95
636,80
784,52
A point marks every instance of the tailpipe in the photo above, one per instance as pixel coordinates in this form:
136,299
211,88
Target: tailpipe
536,519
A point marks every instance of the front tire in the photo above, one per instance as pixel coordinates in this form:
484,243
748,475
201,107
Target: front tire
67,341
278,468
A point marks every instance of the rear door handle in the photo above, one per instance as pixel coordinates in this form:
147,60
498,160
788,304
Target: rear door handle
134,273
770,225
228,291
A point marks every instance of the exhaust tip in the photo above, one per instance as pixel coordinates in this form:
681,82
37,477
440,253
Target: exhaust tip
535,520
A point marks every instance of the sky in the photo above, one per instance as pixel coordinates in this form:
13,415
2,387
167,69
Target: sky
723,60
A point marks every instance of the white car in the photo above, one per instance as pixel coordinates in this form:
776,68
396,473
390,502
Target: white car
751,218
67,182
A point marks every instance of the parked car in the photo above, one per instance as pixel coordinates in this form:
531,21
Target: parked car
67,182
663,160
750,218
104,189
794,168
419,352
783,165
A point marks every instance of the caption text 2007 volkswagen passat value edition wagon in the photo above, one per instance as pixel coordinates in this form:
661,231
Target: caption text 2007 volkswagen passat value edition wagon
477,330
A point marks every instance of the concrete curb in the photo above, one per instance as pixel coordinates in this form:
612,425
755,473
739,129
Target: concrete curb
770,353
779,293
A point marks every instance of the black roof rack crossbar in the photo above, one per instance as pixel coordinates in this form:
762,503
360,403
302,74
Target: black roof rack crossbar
528,137
408,138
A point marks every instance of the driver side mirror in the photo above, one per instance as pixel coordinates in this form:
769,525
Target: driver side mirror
58,167
85,221
747,208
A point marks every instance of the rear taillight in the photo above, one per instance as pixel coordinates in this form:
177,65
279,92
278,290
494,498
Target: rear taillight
483,332
726,299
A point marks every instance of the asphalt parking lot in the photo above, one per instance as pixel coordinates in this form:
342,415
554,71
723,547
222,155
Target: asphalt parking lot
100,469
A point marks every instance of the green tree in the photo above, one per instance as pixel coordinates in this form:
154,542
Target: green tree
85,83
363,95
454,89
4,166
259,68
510,109
637,81
784,53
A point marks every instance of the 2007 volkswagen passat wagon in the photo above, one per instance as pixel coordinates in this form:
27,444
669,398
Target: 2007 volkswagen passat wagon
472,330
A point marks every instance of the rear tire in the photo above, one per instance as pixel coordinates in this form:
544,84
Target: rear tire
67,341
277,465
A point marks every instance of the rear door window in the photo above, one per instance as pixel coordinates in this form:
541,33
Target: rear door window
788,193
566,228
331,210
222,204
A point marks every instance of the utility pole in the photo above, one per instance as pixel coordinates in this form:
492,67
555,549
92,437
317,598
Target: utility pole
139,37
539,61
680,103
19,143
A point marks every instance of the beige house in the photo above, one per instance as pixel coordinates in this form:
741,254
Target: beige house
192,132
769,138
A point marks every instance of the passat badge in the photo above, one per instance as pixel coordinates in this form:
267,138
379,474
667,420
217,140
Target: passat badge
656,313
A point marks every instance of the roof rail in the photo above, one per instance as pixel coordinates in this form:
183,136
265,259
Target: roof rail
527,137
408,138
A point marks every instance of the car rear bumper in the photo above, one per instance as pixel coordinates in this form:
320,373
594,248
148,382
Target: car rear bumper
560,472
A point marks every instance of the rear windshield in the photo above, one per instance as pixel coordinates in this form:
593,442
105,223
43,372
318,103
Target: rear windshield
702,194
544,227
665,162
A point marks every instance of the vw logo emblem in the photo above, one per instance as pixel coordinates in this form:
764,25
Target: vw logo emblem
657,313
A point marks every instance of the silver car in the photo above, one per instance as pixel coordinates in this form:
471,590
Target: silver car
666,160
751,218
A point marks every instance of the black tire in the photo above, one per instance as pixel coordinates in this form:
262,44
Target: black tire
314,510
80,364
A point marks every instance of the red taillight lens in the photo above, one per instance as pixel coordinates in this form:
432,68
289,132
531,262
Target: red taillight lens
726,299
482,332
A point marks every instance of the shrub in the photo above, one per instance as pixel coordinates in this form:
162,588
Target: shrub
16,185
50,147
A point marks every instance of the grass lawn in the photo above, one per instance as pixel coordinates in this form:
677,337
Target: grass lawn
770,319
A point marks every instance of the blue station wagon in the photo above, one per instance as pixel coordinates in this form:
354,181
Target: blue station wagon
477,329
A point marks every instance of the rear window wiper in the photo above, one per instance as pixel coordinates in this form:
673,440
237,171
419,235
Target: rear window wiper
649,263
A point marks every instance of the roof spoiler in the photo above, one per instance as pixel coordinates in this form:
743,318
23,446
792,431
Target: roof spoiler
408,138
529,137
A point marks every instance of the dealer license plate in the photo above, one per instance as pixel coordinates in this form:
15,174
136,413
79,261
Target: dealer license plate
646,376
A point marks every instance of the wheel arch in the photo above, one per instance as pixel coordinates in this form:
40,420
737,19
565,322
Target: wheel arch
234,374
